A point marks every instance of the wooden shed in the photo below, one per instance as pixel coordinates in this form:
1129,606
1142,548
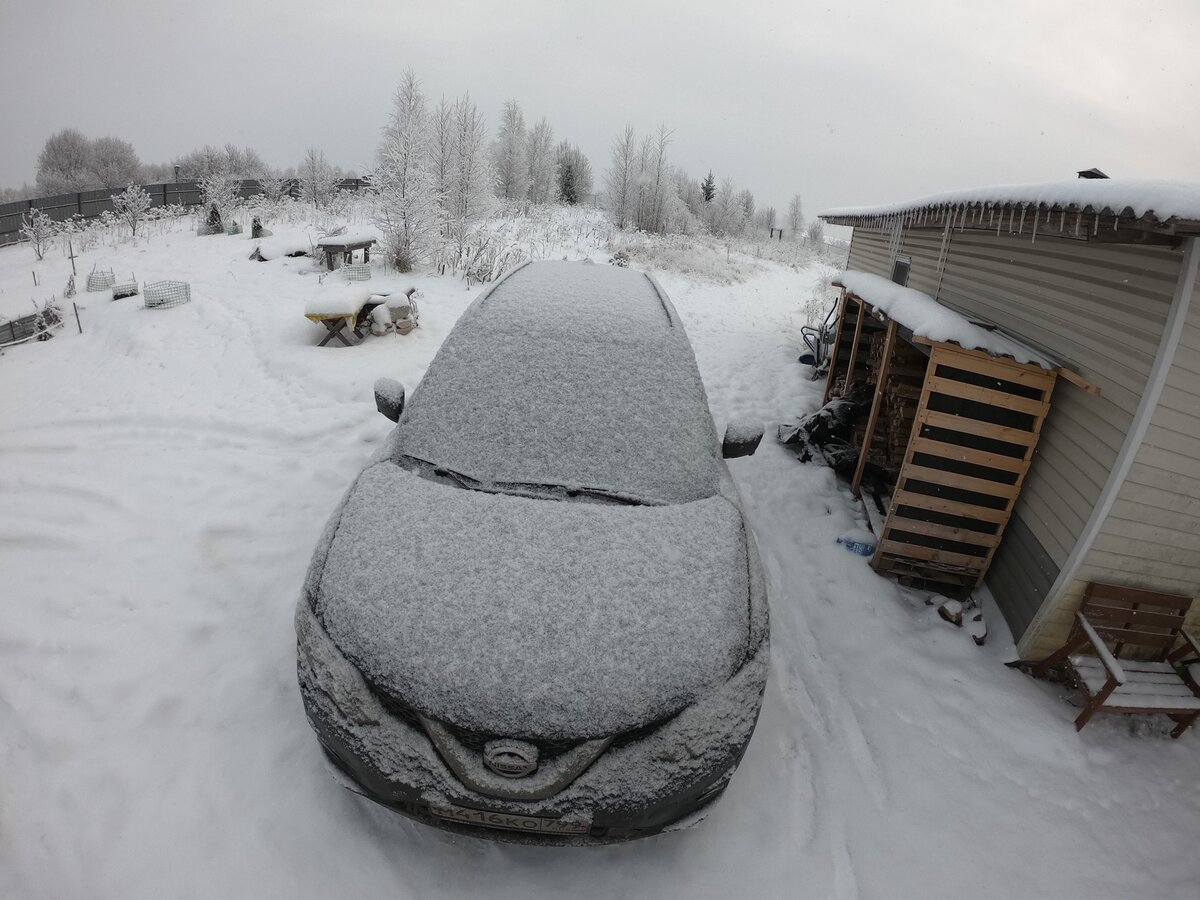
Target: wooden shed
1098,277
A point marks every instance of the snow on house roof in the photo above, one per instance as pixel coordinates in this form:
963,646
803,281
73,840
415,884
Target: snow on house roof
925,317
1175,203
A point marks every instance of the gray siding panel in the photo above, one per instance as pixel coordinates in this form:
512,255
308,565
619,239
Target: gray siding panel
1151,537
1100,309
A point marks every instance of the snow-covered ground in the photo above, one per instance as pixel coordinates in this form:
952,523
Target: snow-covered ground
163,479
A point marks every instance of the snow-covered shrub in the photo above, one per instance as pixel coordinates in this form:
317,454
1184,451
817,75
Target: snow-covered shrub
218,200
318,179
130,207
38,229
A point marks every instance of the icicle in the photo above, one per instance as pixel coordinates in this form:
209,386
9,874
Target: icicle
1037,214
1021,227
1116,221
1012,215
1078,216
1062,220
1096,225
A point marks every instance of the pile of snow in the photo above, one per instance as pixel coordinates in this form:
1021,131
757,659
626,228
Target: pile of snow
334,300
275,247
350,236
925,317
1164,200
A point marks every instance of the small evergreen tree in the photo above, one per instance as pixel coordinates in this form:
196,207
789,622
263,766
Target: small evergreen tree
708,187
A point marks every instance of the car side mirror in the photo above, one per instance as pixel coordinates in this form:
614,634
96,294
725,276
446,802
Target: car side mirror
741,439
389,397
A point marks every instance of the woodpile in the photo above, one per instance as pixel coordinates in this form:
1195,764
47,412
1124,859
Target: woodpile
906,375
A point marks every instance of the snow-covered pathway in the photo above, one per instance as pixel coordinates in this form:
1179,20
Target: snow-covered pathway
164,477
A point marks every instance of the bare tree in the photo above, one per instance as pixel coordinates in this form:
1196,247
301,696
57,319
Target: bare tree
318,179
64,163
745,201
131,205
510,154
440,136
620,177
469,197
37,228
403,199
816,231
113,163
541,162
274,186
796,217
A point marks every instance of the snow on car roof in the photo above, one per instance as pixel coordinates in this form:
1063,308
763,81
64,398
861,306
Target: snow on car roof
540,618
570,374
1159,201
926,317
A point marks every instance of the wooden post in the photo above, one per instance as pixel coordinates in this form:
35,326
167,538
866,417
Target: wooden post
77,325
889,345
79,203
71,253
837,344
863,307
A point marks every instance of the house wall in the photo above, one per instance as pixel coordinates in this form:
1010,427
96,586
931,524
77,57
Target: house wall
1100,309
1151,536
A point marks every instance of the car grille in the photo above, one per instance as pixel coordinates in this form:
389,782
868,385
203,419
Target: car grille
548,748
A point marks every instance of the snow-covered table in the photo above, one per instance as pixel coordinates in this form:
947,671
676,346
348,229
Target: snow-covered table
342,310
346,244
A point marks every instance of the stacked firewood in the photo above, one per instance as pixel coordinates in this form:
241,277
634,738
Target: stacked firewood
906,375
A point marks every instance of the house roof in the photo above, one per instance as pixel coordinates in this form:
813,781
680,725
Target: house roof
1089,208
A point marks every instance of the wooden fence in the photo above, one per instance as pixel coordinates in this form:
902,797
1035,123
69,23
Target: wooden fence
91,204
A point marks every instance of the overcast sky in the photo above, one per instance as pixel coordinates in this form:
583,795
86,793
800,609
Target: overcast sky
845,102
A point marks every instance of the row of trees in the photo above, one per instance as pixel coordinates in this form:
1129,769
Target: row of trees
70,161
645,192
436,176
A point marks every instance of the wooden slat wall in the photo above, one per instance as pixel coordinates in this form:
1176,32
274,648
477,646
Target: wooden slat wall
916,540
1101,309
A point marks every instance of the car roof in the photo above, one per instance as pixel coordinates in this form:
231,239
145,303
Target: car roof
572,374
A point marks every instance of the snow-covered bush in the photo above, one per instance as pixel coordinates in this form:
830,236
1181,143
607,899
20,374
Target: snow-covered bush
218,200
130,207
318,179
38,229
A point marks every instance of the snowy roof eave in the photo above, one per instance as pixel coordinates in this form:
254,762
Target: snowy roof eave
1095,208
926,318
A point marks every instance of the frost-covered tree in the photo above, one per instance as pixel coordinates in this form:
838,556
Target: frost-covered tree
573,174
708,187
745,200
620,179
795,217
726,213
542,163
130,207
318,179
274,186
64,163
240,162
510,154
218,199
404,203
113,162
816,231
469,190
38,229
652,181
440,130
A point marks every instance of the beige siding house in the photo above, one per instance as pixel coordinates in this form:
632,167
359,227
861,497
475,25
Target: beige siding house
1101,275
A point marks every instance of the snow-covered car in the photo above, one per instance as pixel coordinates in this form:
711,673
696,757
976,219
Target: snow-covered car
538,610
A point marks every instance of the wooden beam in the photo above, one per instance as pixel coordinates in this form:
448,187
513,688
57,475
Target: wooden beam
1079,381
862,315
889,345
837,344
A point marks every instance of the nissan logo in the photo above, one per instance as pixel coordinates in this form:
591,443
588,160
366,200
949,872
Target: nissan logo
512,759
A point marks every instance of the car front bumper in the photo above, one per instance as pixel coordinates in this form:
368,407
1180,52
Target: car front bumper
647,786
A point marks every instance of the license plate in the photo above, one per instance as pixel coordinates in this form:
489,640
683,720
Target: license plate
508,822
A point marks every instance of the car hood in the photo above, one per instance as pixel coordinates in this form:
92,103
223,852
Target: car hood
520,617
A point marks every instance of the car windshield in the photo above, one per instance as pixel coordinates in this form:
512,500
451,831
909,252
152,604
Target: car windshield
569,376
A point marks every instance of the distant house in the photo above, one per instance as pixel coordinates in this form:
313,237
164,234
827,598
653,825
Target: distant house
1101,276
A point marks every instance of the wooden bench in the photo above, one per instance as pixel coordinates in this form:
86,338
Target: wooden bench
1131,618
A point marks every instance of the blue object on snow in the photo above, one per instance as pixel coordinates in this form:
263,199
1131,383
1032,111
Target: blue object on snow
857,545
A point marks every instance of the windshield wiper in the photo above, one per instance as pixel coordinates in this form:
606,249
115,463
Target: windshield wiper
534,489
